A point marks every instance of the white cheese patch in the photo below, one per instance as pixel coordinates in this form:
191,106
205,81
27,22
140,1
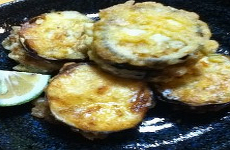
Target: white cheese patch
134,32
173,22
159,38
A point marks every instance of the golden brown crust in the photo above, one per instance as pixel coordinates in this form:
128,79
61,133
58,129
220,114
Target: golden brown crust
89,99
148,34
154,75
206,83
27,63
58,35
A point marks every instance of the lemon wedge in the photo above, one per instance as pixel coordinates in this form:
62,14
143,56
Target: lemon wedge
20,87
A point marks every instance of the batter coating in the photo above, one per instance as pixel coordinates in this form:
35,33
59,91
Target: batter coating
26,62
148,34
89,99
206,83
58,35
153,75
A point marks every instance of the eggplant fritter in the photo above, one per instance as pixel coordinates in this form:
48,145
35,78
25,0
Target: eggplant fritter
58,35
148,34
26,62
89,99
206,83
153,75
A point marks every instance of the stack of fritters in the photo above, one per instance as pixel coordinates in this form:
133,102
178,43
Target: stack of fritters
171,48
149,40
47,41
81,95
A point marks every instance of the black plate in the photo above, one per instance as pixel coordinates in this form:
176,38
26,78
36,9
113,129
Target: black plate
162,127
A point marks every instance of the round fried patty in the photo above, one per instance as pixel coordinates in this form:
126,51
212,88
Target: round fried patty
89,99
148,34
58,35
206,83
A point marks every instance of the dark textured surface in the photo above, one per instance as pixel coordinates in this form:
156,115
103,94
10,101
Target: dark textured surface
162,128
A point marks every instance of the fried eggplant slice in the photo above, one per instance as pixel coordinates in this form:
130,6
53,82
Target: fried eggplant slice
26,62
148,34
153,75
58,35
124,72
89,99
207,83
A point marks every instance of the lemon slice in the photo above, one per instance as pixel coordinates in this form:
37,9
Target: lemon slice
20,87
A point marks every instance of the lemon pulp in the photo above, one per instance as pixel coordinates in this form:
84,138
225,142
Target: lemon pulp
20,87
